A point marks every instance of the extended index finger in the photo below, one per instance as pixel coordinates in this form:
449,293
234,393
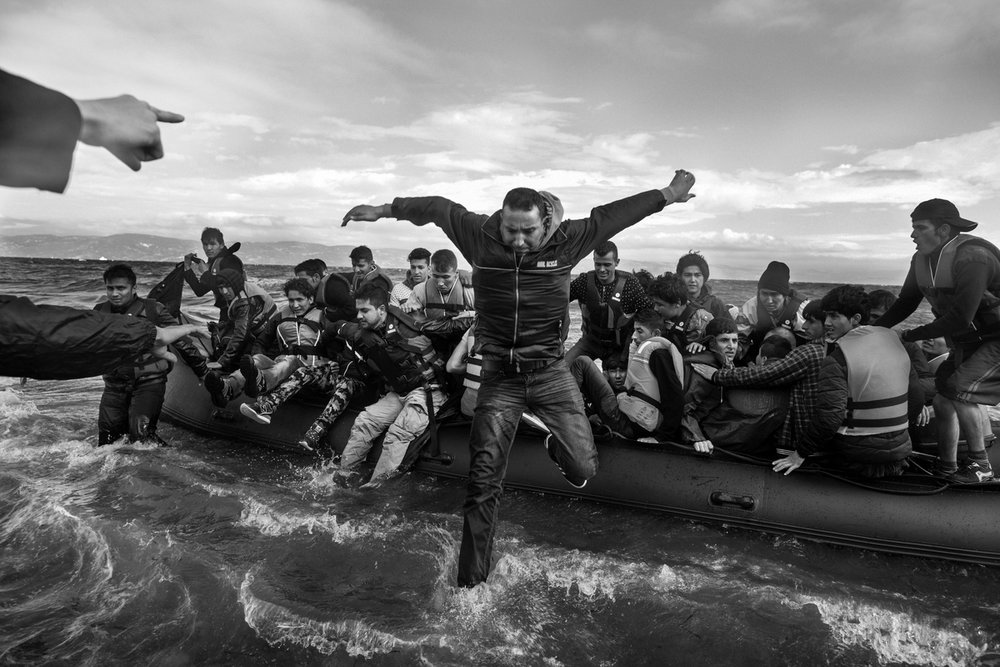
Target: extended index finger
167,116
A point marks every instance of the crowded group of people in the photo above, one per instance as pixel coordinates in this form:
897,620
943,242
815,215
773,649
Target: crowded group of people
659,358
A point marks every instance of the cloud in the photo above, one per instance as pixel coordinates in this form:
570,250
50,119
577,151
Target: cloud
767,14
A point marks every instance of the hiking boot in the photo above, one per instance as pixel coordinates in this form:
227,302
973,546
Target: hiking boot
215,383
973,472
260,411
313,438
255,385
551,449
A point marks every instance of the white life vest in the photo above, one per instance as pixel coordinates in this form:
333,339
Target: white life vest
640,401
437,305
878,377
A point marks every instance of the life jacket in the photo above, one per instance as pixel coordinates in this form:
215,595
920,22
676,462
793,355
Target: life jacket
605,319
376,275
334,294
473,368
938,286
438,305
403,356
299,335
681,331
146,366
262,308
640,401
877,381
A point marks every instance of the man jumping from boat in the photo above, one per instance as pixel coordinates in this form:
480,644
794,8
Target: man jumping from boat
959,275
522,257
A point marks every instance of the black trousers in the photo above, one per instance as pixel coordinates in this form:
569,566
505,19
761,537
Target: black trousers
130,407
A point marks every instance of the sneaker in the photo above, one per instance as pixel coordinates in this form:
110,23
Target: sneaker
257,412
313,437
551,449
973,472
215,383
255,385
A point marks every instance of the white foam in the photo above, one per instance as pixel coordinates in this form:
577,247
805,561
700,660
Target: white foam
277,625
274,522
896,636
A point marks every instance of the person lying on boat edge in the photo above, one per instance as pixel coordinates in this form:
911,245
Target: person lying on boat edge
684,322
692,269
741,420
522,258
247,316
649,405
608,298
867,392
776,304
288,340
959,275
799,370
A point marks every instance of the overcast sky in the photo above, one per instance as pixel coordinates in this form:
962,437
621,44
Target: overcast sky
813,127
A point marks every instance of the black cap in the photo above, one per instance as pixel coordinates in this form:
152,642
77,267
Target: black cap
942,210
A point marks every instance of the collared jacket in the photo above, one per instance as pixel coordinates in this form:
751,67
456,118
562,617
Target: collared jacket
522,300
247,318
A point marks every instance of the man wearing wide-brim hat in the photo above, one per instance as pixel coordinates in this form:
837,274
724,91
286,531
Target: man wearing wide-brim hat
959,275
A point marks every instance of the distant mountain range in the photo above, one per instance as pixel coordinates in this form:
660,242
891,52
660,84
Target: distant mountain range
149,248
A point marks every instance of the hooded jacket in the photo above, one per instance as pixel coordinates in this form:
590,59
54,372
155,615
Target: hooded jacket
522,300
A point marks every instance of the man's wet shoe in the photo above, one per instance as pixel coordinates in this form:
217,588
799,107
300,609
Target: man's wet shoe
313,438
974,472
255,385
215,383
550,447
258,412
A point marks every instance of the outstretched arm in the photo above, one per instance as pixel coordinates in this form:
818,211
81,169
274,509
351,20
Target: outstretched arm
367,213
126,126
679,189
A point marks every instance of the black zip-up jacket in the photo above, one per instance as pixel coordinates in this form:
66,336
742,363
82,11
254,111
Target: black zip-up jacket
522,302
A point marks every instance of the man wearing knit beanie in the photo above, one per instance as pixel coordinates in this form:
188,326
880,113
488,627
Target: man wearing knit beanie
959,275
776,305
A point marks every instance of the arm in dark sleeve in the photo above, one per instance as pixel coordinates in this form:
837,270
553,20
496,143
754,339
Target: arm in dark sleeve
39,129
578,288
198,287
671,395
830,407
58,343
698,402
266,342
971,280
240,321
607,220
910,297
925,376
187,350
458,224
634,298
915,398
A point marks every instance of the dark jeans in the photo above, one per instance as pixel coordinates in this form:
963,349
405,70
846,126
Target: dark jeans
551,395
591,346
131,407
602,397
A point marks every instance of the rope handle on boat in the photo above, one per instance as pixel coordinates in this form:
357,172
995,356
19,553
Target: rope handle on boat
941,486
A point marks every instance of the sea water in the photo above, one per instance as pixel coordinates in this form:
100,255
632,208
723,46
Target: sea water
215,552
